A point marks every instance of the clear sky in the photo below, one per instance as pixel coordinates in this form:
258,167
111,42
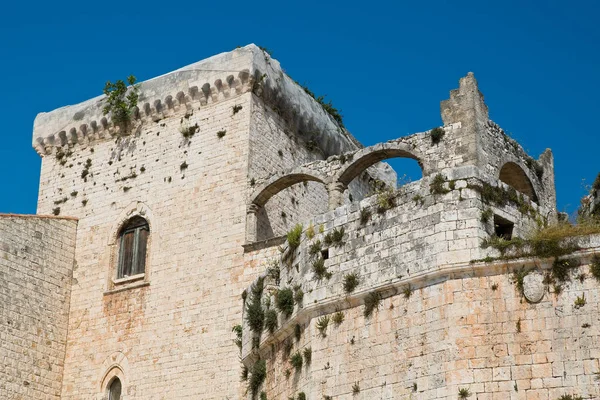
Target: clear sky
386,65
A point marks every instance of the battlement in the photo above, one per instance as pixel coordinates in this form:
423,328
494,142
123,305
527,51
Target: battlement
206,82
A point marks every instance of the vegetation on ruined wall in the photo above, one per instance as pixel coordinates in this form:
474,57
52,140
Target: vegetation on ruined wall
351,281
121,100
437,134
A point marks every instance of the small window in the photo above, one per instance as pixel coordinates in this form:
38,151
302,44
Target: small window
503,228
114,390
133,240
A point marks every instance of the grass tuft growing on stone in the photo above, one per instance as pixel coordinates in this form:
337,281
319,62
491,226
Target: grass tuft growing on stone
294,236
351,281
464,393
372,301
296,361
258,374
322,324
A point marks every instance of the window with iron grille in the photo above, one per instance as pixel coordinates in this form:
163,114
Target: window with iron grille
133,241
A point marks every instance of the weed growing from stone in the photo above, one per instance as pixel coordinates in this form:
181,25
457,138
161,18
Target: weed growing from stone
464,393
486,215
437,185
437,134
257,376
307,352
284,301
310,231
56,211
244,374
334,237
386,200
418,199
407,291
580,301
221,133
294,236
238,336
271,320
320,270
372,301
355,388
322,324
338,318
351,281
296,361
298,295
301,396
255,315
121,100
237,108
518,325
315,248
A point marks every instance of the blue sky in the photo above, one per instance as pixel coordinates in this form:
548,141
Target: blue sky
386,65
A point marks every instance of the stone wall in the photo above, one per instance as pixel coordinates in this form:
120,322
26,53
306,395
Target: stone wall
445,321
36,266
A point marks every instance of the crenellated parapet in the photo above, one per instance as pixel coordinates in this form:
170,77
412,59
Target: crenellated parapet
86,123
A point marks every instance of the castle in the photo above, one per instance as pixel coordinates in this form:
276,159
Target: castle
237,220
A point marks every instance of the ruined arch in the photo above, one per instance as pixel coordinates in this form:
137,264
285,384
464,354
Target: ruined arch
281,202
369,156
513,175
279,183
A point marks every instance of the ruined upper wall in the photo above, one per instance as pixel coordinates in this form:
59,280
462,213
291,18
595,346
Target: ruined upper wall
36,265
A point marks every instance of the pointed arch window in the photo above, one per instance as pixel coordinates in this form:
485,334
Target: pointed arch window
114,390
133,242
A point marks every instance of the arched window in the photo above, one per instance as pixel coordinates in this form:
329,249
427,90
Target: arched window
114,390
133,240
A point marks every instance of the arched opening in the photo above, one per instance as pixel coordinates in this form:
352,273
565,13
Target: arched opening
363,178
513,175
133,244
290,205
114,389
370,157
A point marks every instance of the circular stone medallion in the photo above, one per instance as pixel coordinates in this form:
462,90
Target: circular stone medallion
533,286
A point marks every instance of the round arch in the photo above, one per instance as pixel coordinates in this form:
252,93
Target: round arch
514,175
279,183
369,156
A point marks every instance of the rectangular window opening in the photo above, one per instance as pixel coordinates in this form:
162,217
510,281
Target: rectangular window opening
503,228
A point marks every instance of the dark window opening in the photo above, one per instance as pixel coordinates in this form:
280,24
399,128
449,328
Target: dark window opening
114,391
503,228
325,254
132,247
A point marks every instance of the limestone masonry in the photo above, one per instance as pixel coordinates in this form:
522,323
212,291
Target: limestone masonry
235,219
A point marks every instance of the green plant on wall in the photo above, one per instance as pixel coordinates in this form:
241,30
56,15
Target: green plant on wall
121,100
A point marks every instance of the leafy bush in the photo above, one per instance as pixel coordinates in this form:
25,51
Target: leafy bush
437,134
120,101
365,215
255,315
258,374
271,320
284,301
